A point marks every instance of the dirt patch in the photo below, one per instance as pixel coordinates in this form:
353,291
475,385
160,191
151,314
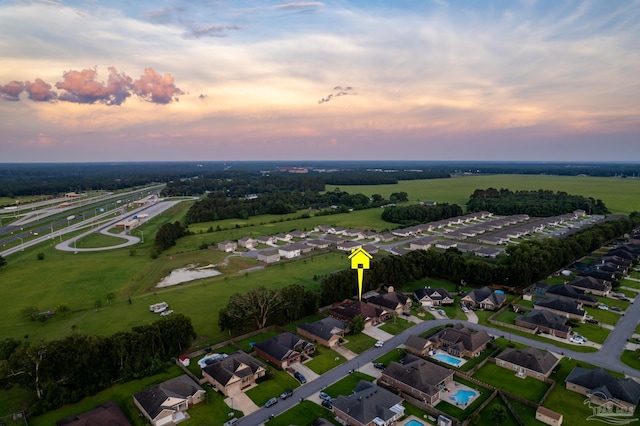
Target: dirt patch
189,273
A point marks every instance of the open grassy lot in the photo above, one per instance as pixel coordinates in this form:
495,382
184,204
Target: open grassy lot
619,195
346,385
431,282
528,387
272,388
359,343
396,326
304,413
324,360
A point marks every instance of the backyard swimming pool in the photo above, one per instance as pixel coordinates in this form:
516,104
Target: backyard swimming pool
413,423
463,396
448,359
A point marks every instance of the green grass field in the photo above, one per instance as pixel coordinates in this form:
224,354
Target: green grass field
272,388
346,385
304,413
324,360
619,195
528,387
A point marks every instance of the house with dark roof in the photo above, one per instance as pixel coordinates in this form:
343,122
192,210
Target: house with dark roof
417,345
326,332
417,378
284,349
484,298
368,405
167,403
371,314
460,340
624,253
348,246
614,268
625,263
391,301
318,243
232,374
592,285
603,389
269,255
423,243
599,274
398,251
566,308
528,362
545,321
569,292
433,296
108,414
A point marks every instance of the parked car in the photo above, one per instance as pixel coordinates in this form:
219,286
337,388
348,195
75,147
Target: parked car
431,308
442,312
286,394
379,344
166,313
234,421
324,396
300,377
581,337
327,404
615,308
406,314
603,307
576,340
379,365
465,309
592,321
271,402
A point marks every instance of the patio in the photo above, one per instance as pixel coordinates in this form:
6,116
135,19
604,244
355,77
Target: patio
458,395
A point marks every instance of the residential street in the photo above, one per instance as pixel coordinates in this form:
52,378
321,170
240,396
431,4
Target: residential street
608,357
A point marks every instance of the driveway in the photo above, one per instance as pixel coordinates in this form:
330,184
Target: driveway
308,373
240,401
471,316
347,353
377,334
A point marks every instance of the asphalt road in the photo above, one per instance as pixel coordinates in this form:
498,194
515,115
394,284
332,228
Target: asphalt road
608,357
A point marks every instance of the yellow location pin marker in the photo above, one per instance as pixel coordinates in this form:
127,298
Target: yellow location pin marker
360,261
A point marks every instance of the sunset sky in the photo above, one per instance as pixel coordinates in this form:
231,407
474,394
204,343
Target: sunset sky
116,80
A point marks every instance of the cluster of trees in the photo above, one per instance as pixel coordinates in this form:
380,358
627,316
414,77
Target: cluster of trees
415,214
363,177
168,234
525,264
218,205
263,307
540,203
65,371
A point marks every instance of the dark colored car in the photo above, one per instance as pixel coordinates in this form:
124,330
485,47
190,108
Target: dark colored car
286,394
327,404
300,377
615,308
379,365
592,321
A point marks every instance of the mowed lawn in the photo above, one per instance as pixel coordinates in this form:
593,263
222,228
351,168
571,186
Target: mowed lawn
528,387
304,413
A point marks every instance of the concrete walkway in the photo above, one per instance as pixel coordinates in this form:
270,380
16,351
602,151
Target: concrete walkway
377,334
471,316
240,401
348,354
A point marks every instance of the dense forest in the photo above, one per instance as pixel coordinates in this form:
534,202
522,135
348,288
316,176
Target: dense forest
416,214
64,371
540,203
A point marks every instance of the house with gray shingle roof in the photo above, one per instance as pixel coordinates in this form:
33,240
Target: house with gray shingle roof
592,285
484,298
531,362
368,405
545,321
460,340
284,349
433,296
603,389
417,345
233,373
326,332
566,308
416,377
166,403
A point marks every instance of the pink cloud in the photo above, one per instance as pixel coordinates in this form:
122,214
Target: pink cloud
40,91
153,87
82,87
11,91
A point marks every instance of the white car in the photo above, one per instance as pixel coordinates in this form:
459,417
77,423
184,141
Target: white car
576,339
379,344
603,307
465,309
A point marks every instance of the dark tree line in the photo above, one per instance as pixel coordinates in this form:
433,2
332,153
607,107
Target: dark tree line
64,371
415,214
361,177
525,264
540,203
168,234
262,307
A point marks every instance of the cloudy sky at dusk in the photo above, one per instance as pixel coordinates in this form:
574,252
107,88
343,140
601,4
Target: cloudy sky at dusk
116,80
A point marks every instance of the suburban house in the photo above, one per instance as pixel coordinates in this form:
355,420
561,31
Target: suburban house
268,240
491,252
599,274
603,389
227,246
423,243
568,292
352,233
592,285
460,340
368,405
108,414
433,296
318,244
484,298
531,362
445,244
167,403
417,345
566,308
284,349
386,237
326,332
293,250
625,263
269,256
545,321
371,314
334,240
284,237
391,301
232,374
348,246
298,234
417,378
247,242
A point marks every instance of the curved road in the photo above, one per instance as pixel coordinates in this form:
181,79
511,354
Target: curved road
608,357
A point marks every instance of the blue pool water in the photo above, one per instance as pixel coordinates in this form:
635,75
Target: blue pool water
448,359
463,396
499,292
413,422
